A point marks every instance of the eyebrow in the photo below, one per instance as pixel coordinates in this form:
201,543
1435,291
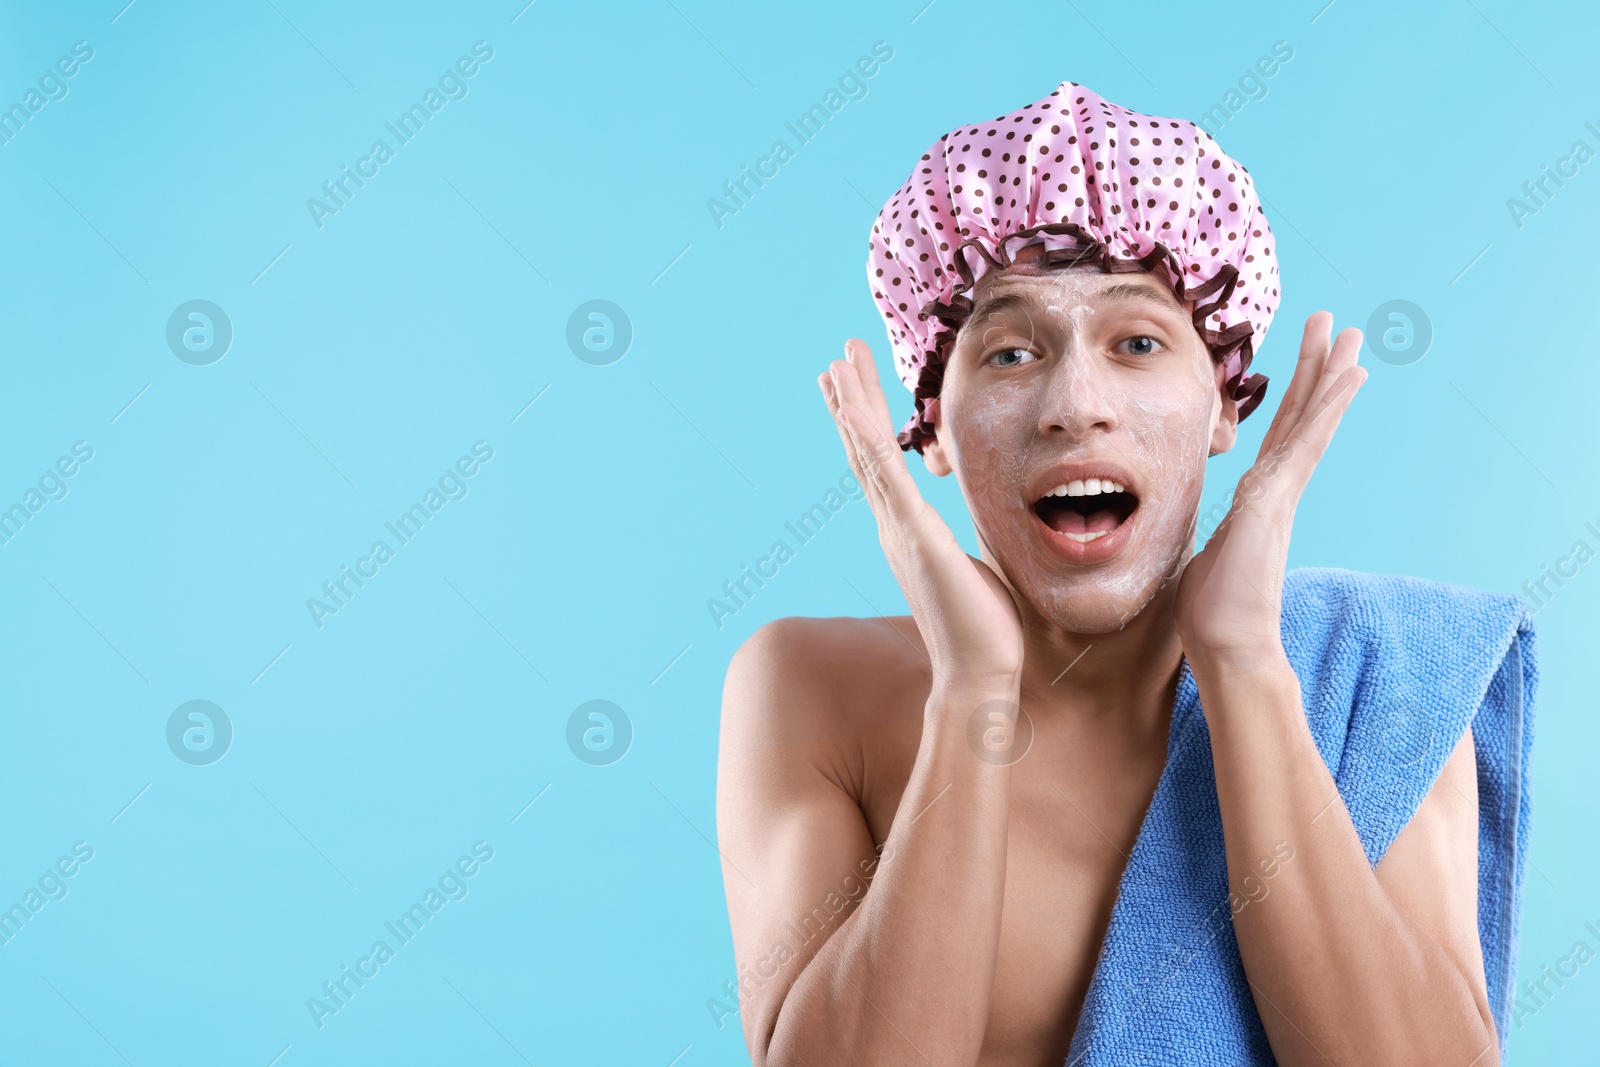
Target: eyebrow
996,306
1143,293
1005,303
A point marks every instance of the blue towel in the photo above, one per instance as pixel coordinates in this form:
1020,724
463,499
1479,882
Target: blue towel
1393,670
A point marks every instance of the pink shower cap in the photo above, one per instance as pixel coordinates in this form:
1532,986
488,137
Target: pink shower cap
1097,184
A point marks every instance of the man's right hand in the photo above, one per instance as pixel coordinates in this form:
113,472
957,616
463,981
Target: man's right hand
966,613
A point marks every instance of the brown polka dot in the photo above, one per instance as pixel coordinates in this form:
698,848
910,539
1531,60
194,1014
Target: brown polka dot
1120,229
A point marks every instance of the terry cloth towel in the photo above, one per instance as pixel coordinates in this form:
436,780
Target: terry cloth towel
1392,671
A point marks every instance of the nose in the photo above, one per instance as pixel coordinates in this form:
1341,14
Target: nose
1077,398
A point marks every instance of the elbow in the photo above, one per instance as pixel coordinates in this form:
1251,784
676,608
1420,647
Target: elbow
820,1037
1487,1049
1485,1036
1486,1040
1470,1035
761,1035
1469,1031
770,1047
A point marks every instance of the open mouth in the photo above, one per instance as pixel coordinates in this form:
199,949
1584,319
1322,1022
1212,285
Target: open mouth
1086,509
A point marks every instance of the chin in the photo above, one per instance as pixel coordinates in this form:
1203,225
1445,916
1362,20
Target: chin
1095,604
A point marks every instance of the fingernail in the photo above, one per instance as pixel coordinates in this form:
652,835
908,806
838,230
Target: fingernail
849,352
826,383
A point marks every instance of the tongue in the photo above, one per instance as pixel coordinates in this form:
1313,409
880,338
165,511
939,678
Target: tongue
1065,520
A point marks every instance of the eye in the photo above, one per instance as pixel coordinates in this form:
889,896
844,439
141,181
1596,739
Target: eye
1010,357
1141,346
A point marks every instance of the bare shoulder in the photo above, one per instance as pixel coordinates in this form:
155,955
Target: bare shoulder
808,743
807,681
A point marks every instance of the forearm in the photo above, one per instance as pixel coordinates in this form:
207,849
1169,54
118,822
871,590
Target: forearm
1338,973
907,978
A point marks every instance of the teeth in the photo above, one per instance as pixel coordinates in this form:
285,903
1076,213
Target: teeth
1088,487
1085,538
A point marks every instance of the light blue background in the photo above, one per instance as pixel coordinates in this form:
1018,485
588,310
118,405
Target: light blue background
370,753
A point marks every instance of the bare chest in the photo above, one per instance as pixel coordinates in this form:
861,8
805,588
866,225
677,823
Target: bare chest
1075,811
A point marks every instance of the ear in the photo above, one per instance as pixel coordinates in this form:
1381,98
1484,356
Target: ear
933,454
1225,428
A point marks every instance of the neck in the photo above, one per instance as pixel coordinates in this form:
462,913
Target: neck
1127,676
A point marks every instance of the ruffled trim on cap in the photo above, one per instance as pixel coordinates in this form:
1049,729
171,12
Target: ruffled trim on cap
1232,346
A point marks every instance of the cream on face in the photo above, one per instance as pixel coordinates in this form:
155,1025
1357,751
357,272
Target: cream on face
1079,372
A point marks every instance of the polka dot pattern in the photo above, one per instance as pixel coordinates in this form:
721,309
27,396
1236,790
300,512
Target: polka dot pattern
1095,183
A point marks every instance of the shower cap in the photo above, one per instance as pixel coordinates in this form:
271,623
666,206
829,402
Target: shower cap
1098,185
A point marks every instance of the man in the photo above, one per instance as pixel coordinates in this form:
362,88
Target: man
1001,830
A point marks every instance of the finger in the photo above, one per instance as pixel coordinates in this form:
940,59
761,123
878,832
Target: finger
879,458
830,396
1280,475
1279,480
1346,352
847,437
1317,428
859,353
863,389
1343,355
1314,348
1315,431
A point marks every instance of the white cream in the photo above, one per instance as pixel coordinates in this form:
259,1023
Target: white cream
1156,422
